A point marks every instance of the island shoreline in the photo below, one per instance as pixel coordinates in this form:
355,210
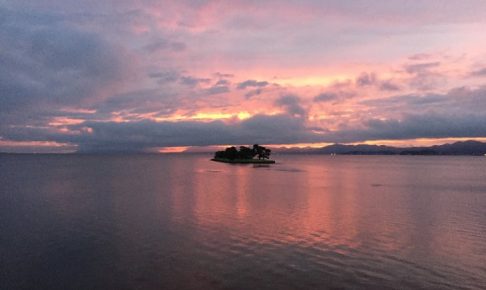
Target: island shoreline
244,161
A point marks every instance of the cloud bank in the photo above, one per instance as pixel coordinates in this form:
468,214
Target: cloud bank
77,75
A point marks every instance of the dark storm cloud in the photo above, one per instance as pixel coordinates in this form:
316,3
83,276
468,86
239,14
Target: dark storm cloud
292,105
222,82
326,97
336,93
193,81
426,116
366,79
47,66
461,100
252,83
139,102
59,58
173,76
371,79
424,76
143,135
389,85
458,113
277,129
412,126
215,90
407,102
164,45
417,68
165,77
253,93
44,64
467,100
479,73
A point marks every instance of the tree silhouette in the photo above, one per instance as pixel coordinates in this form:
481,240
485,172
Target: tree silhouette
244,153
261,152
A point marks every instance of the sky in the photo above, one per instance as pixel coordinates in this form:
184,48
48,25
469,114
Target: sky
165,76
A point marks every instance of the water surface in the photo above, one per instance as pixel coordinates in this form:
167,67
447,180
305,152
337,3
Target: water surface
183,222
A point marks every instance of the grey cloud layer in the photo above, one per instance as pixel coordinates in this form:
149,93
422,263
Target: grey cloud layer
44,65
252,83
415,126
143,135
50,61
292,105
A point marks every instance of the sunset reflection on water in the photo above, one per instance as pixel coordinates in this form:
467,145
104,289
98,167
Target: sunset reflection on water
383,207
182,221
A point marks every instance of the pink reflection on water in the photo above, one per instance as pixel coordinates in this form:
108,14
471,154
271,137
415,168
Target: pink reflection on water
348,206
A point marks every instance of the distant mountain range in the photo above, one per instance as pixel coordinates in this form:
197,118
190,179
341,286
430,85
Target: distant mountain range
473,148
458,148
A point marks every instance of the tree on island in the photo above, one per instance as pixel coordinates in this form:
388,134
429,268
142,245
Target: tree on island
261,152
244,153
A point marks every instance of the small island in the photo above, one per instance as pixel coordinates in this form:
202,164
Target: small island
244,155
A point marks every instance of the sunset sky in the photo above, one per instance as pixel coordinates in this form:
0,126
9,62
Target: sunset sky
121,75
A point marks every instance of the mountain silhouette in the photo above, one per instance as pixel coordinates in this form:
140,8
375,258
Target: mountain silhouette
469,147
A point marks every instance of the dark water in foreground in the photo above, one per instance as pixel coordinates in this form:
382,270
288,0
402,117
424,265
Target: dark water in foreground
183,222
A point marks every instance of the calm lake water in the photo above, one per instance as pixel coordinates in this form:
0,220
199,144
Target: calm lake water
183,222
